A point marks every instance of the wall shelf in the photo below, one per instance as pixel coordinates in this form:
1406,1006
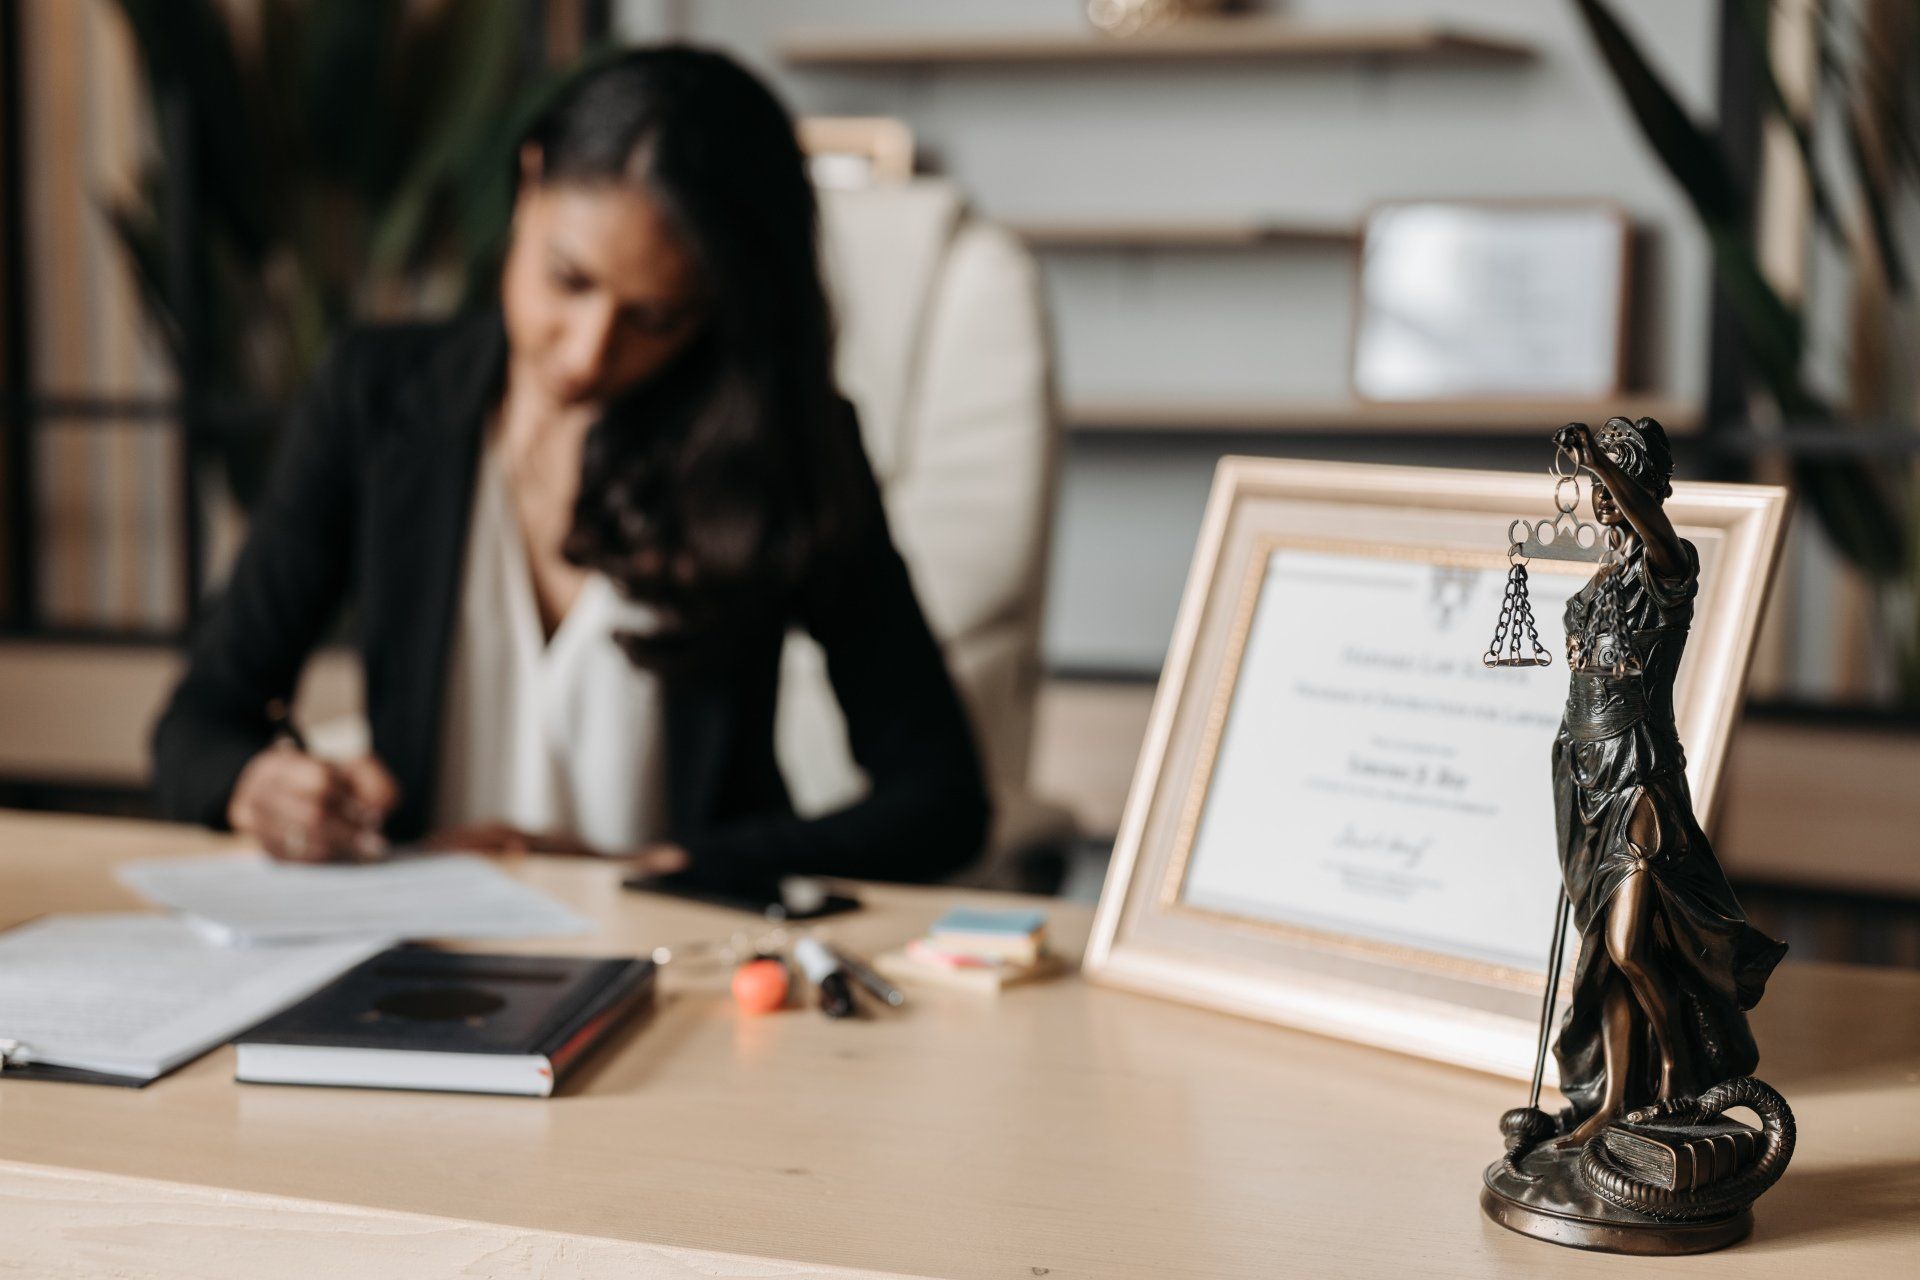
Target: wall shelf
1335,418
1220,39
1087,234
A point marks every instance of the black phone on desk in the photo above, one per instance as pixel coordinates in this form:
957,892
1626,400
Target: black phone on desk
784,898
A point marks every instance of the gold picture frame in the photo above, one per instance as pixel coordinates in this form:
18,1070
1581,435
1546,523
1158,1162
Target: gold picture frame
1165,925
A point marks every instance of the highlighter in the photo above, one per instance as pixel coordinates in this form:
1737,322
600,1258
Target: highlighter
760,985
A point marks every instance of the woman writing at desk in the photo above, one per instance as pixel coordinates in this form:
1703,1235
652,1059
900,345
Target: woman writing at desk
577,530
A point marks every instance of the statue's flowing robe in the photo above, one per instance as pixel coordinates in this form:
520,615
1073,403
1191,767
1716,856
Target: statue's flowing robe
1617,743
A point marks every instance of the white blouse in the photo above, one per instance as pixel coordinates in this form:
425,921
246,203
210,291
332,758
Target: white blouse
549,735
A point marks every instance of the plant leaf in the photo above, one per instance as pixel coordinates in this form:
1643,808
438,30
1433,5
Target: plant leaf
1860,93
485,44
1858,514
1691,155
1753,13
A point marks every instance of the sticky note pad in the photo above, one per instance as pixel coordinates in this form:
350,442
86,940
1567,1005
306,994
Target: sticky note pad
1014,923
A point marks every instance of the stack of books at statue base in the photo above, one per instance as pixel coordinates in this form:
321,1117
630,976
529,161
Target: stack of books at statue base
971,949
1683,1157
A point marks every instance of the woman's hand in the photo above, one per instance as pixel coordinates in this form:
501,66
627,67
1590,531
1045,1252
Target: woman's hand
303,809
659,860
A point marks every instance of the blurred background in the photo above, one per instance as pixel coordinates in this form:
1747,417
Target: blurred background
1095,246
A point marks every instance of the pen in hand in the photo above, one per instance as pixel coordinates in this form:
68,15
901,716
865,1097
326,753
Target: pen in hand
280,717
304,809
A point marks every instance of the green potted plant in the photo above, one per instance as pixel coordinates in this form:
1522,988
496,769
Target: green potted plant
1868,58
317,164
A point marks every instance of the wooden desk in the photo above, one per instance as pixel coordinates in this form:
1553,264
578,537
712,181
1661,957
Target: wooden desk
1065,1131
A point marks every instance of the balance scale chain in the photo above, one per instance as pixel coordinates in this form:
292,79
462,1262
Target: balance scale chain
1516,616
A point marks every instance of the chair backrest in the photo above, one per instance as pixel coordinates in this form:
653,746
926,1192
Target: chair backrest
944,350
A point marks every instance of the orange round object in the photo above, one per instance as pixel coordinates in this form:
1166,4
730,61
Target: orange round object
760,986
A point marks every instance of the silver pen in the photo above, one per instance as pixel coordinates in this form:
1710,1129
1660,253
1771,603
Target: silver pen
863,973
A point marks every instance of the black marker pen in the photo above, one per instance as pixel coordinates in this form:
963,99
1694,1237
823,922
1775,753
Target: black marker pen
825,971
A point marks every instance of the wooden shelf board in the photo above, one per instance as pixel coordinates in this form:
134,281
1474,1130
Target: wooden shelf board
1224,38
1489,417
1176,234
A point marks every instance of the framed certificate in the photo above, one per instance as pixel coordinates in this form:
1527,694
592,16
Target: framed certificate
1493,298
1341,820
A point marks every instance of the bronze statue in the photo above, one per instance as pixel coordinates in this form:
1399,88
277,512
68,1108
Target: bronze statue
1654,1043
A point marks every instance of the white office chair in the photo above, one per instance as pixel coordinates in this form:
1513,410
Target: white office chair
944,350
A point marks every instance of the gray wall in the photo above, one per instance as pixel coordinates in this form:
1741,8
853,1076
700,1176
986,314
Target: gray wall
1234,141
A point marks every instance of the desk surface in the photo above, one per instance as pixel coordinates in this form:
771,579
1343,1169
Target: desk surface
1064,1131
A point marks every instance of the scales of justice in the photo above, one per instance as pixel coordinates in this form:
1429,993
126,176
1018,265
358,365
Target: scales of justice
1654,1047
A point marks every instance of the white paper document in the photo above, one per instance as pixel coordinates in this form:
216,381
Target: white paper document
137,995
247,898
1373,778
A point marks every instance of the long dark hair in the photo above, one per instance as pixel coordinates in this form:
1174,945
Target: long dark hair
712,489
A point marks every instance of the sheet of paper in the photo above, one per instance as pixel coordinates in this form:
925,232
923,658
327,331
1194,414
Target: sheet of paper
1373,778
137,995
247,898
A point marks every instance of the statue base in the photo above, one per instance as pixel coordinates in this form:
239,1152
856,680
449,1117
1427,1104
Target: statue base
1548,1200
1676,1176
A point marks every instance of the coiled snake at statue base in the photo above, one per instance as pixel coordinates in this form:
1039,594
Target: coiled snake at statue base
1621,1189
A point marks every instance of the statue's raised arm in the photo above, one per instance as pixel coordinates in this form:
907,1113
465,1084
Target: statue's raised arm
1620,460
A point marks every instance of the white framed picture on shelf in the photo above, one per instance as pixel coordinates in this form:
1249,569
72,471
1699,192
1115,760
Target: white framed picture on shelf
1492,299
1341,820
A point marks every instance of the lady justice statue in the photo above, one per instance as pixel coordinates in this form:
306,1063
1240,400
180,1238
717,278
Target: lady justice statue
1654,1045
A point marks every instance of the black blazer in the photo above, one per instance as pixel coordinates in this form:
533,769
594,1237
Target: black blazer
369,500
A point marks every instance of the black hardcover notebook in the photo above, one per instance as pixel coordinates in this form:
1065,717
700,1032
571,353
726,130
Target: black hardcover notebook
420,1019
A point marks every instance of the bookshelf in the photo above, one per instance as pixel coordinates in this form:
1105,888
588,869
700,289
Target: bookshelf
1224,39
1195,196
1176,235
1161,416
